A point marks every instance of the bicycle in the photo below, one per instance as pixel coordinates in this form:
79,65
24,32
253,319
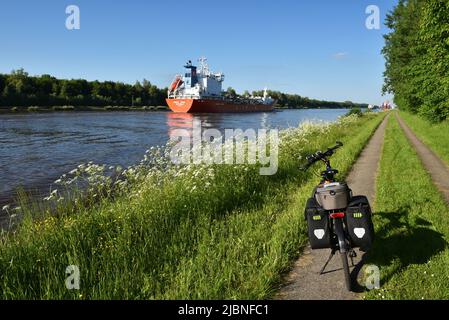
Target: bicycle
336,219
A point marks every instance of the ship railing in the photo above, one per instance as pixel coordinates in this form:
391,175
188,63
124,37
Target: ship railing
187,96
183,96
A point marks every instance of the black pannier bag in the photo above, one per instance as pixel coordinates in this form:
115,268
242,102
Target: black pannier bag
318,225
359,223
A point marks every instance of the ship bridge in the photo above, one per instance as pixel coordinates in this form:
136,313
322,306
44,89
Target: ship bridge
197,82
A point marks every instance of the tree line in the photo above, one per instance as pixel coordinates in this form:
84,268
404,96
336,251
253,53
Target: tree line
417,57
20,90
295,101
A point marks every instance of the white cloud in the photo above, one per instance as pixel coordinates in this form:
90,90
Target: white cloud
340,55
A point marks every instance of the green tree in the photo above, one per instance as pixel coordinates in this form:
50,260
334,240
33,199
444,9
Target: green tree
417,57
231,92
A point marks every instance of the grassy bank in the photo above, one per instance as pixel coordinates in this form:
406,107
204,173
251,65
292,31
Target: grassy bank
434,135
193,232
412,224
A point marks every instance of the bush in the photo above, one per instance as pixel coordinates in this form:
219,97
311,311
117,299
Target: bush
33,109
354,111
433,114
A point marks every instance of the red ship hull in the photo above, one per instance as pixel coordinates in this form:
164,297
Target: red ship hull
215,106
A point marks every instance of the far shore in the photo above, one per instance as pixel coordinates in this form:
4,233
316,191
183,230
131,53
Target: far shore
35,109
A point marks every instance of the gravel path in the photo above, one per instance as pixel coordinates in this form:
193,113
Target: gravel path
304,282
437,169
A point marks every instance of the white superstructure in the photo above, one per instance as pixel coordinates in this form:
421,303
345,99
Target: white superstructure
201,83
197,83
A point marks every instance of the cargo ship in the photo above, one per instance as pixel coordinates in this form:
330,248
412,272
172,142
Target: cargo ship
199,90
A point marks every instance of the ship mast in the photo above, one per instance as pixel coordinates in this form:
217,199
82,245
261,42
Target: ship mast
204,67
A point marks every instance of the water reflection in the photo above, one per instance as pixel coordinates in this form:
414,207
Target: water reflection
176,121
182,124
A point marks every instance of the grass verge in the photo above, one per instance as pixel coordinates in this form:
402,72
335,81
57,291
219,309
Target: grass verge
220,232
411,223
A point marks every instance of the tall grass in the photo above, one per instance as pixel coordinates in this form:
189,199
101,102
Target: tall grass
412,224
194,232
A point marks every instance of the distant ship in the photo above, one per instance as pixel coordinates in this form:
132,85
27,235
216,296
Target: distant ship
200,91
386,106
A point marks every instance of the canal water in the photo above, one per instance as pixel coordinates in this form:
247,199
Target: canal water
35,149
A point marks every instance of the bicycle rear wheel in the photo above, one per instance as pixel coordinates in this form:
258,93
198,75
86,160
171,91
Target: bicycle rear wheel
344,260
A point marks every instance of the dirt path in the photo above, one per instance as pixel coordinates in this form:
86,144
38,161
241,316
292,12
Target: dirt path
437,169
304,282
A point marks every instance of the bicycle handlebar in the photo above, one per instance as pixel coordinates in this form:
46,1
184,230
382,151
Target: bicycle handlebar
319,155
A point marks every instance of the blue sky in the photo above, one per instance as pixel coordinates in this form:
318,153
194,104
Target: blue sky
320,49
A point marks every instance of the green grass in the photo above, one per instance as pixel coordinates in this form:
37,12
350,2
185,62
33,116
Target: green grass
412,223
434,135
170,238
